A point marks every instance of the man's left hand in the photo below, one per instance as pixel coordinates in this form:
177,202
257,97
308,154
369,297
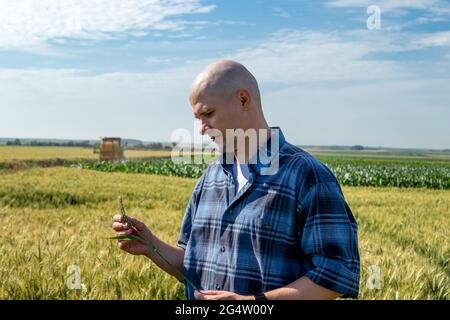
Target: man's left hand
220,295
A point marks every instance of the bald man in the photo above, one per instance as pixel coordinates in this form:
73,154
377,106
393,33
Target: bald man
265,221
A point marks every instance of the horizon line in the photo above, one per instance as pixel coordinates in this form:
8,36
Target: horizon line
299,145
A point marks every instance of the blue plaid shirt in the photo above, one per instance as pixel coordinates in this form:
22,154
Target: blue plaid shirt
275,230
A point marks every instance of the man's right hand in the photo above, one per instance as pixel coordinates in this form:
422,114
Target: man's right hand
139,228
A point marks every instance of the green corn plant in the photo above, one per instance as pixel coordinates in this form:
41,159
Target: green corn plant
150,246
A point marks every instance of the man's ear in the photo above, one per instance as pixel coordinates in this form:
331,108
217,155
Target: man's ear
244,97
243,100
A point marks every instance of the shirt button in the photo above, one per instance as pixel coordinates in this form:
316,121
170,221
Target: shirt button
218,287
222,249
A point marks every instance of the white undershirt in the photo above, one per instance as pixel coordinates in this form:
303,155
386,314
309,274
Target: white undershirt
241,175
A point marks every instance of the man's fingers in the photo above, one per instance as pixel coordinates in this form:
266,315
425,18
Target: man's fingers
136,223
118,226
212,292
118,218
125,233
208,295
123,245
199,296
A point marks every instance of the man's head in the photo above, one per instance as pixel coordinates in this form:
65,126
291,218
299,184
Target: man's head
226,96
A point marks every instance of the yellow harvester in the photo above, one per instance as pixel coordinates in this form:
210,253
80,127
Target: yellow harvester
111,148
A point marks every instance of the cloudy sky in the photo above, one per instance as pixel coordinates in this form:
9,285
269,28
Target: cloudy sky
329,74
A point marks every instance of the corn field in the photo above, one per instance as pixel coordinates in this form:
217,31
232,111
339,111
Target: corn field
349,172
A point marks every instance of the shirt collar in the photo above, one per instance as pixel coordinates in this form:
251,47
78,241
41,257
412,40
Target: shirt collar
263,158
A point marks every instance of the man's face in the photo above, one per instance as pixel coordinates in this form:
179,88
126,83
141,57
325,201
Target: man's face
216,116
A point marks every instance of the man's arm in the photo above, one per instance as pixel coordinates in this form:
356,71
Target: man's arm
173,254
301,289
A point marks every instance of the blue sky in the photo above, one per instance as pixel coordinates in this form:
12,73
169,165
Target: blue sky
83,69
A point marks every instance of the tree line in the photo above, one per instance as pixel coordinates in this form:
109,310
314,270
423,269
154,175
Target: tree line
18,142
88,144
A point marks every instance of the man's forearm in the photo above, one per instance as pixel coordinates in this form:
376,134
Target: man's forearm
174,255
302,289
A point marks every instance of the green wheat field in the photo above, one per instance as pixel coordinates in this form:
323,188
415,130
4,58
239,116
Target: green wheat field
56,219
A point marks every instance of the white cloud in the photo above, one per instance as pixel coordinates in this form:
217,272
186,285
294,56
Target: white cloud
159,60
425,20
33,24
280,12
295,56
441,10
388,5
428,11
292,56
399,41
437,39
393,12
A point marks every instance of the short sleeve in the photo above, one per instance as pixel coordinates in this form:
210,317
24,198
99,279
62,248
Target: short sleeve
189,213
329,239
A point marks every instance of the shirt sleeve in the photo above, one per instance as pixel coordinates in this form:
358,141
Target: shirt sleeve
329,239
189,213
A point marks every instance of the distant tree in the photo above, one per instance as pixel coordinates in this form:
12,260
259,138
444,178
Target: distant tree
16,142
155,146
358,148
